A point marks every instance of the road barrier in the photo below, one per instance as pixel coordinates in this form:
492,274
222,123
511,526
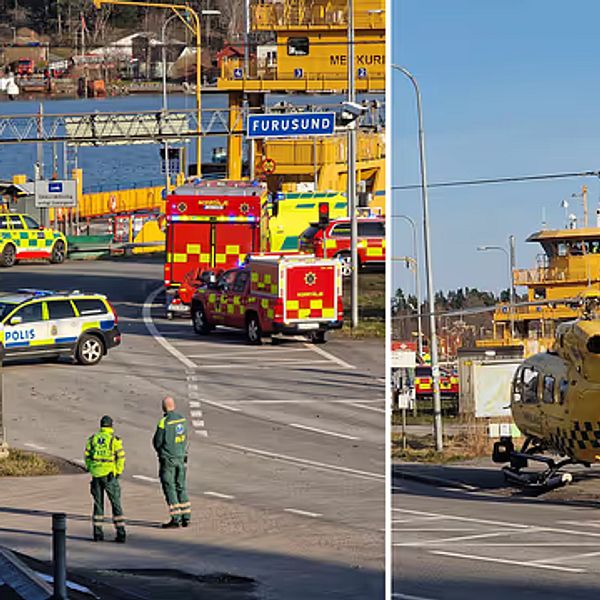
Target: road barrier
83,247
89,246
59,555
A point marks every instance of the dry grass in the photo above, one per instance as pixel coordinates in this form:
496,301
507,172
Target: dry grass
371,307
365,329
20,463
470,442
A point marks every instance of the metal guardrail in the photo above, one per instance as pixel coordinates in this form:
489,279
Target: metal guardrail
107,246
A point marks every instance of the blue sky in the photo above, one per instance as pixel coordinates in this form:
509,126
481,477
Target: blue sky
509,87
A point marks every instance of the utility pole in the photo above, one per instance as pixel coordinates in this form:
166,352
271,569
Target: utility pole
417,265
246,39
3,444
351,183
433,349
512,261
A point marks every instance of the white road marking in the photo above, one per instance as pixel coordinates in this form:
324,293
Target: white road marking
303,513
270,364
324,431
565,558
305,401
506,561
219,495
412,520
519,544
195,413
330,357
198,424
477,536
466,519
194,404
311,463
430,529
147,314
361,405
78,461
201,432
580,523
34,446
248,353
409,597
221,405
144,478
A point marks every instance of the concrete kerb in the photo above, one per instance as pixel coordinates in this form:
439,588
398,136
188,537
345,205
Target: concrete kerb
21,579
433,480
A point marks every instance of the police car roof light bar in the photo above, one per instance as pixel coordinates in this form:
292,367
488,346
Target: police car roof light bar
36,292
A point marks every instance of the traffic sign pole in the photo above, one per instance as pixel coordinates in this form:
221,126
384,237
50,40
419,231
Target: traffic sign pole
351,183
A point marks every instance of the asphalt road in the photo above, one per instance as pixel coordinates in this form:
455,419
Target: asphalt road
455,545
294,428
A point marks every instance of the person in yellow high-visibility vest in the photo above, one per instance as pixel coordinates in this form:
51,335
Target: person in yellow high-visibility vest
105,460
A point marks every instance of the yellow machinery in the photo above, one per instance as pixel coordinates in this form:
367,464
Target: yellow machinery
569,267
309,54
321,165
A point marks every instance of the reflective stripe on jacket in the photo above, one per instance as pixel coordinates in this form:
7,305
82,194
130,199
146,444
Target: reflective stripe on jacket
171,436
104,453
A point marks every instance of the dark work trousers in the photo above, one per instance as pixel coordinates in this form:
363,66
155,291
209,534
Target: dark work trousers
109,484
172,478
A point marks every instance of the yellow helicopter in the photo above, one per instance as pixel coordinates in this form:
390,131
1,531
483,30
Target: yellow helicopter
555,402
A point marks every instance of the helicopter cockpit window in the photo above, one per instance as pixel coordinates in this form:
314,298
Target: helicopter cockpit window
529,378
564,386
548,389
593,344
517,387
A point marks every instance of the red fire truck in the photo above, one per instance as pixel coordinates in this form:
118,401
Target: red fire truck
273,293
211,225
424,383
332,238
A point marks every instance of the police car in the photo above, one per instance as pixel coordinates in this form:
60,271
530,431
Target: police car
45,323
22,238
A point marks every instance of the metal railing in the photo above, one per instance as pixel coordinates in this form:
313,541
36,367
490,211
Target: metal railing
122,128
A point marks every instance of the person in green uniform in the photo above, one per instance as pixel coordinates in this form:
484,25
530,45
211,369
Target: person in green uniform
171,444
105,459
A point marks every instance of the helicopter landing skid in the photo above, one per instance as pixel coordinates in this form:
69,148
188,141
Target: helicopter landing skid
548,479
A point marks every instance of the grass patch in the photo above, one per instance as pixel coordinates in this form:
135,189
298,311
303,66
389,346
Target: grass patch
371,306
421,418
467,444
365,329
20,463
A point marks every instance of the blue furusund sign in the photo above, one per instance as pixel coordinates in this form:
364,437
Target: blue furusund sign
291,125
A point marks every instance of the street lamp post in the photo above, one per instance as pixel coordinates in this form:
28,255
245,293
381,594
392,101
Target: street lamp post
182,11
510,259
433,350
164,86
351,178
417,281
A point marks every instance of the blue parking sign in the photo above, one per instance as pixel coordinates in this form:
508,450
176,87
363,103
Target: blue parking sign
298,73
